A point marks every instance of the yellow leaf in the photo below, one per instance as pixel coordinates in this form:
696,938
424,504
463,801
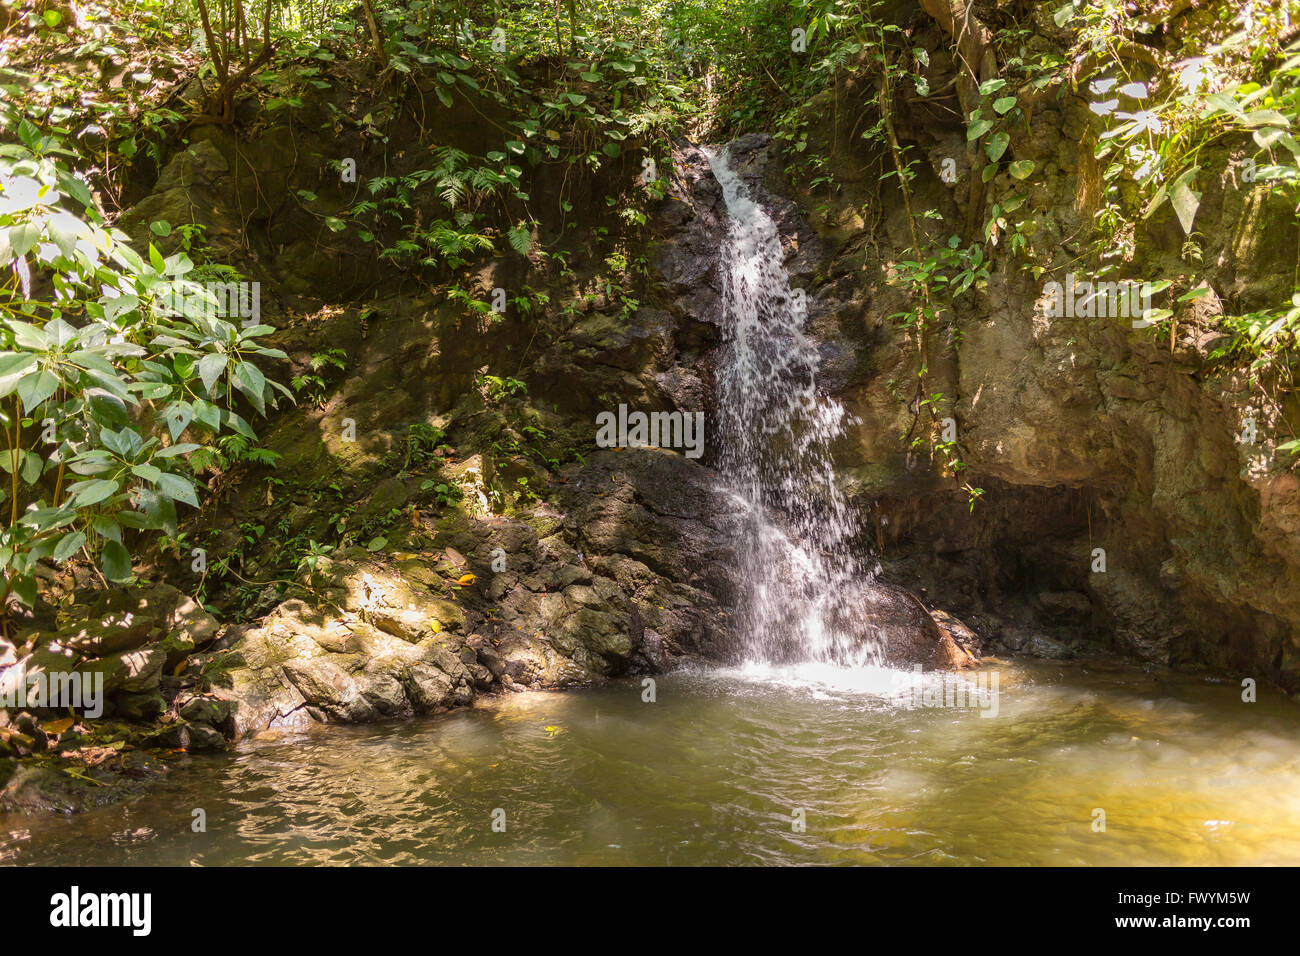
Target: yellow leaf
435,624
57,726
465,579
180,668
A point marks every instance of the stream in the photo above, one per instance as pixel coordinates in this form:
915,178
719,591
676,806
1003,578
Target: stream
714,769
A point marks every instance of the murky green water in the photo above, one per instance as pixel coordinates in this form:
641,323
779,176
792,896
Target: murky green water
715,769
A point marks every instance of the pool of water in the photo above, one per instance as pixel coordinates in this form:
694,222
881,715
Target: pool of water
747,766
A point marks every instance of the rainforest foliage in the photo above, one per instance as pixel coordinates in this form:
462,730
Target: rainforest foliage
122,385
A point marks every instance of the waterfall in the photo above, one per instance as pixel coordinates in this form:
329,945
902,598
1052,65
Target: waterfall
805,592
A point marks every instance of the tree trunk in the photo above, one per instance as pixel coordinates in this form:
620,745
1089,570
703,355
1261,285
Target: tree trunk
374,34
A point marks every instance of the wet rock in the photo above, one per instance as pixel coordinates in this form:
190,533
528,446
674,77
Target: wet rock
29,788
491,659
139,707
1063,606
326,685
963,636
206,710
174,737
1030,643
907,631
204,737
428,687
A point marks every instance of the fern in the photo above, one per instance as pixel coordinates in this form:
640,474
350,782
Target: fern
521,238
484,179
452,190
451,158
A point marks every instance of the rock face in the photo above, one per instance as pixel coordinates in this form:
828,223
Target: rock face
1134,502
611,578
128,638
605,561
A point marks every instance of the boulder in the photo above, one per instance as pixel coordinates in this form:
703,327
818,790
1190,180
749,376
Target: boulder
131,672
206,710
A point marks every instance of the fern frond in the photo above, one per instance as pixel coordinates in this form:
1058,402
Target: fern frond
521,239
451,189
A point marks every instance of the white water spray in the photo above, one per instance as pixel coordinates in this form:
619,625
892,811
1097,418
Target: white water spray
805,589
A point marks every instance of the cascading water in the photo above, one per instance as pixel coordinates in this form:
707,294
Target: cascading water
806,593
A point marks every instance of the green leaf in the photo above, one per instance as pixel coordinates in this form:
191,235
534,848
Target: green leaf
231,420
111,384
147,472
1265,118
138,520
178,488
33,465
116,562
68,545
1021,168
92,492
205,413
978,129
29,336
210,369
251,381
13,366
184,448
23,237
996,146
179,417
1002,105
1184,199
116,442
106,527
23,587
36,388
